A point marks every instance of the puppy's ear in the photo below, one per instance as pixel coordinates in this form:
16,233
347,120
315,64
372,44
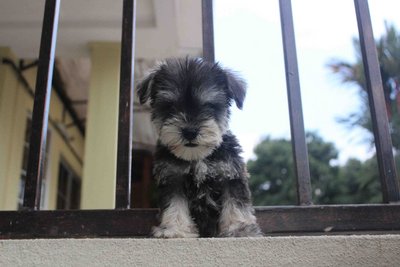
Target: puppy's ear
236,87
144,88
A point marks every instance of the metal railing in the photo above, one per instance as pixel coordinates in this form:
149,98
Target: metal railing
124,221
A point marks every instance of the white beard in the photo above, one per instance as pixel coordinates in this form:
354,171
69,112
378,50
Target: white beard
209,138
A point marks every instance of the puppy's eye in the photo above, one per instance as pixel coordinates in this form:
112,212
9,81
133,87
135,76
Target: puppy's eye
165,104
165,108
213,106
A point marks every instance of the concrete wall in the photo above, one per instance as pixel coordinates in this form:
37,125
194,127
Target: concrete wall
374,250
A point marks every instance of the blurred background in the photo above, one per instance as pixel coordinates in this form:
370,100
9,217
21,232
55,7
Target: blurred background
340,141
81,147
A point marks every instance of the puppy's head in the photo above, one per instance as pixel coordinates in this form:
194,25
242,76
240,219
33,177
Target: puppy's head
190,100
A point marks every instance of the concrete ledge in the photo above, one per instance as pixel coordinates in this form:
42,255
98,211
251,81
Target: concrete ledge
360,250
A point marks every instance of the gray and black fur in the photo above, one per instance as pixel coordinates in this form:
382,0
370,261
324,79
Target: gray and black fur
202,180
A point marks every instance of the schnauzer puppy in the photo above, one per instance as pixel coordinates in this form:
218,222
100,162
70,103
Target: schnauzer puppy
202,180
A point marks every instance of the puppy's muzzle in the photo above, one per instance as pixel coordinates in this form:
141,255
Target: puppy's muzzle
190,133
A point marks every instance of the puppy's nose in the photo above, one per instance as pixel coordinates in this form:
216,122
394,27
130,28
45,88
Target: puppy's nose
189,133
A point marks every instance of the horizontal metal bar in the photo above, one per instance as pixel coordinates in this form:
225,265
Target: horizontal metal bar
76,223
329,218
138,222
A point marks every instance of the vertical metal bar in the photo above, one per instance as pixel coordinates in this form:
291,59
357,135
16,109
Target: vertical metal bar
41,105
383,141
208,30
125,121
299,146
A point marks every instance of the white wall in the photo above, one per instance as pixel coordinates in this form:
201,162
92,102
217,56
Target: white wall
373,250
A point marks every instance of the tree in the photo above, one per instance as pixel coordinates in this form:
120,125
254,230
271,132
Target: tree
272,173
388,48
273,180
358,182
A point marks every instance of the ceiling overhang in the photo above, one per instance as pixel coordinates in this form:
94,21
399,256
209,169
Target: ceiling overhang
165,28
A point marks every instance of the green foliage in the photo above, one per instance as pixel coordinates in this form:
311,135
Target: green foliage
272,174
273,179
358,182
388,48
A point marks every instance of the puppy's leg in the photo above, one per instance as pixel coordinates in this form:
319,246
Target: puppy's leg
176,220
237,216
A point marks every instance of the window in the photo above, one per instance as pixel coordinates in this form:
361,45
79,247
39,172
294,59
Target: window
69,188
24,168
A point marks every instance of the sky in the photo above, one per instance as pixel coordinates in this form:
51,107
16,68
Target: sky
248,40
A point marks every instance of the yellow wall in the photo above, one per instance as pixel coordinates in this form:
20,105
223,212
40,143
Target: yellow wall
9,134
15,107
101,130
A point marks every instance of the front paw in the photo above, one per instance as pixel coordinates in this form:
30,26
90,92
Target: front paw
243,230
172,232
